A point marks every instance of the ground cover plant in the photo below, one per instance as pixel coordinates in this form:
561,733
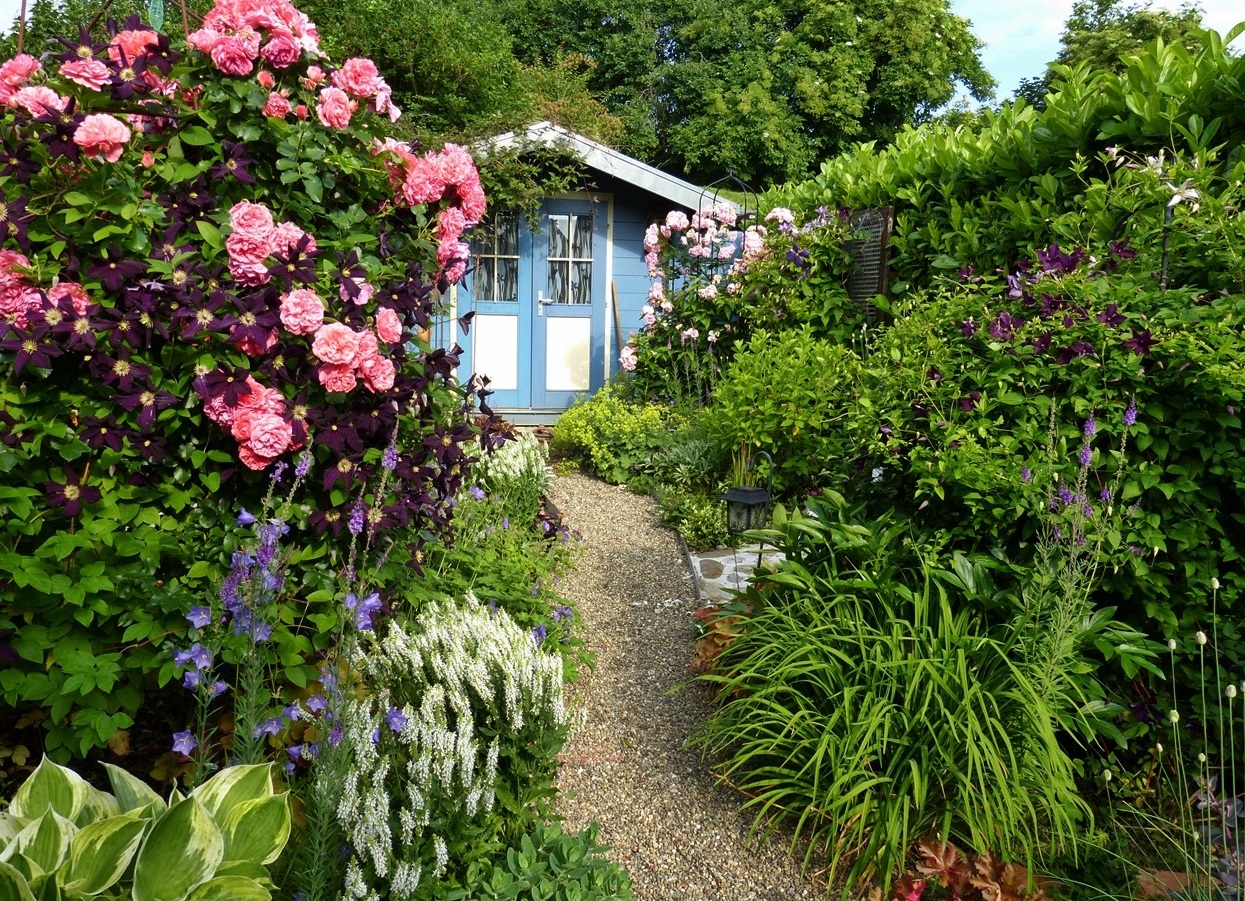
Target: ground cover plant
212,262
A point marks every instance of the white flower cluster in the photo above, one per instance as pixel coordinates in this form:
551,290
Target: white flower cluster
415,742
520,461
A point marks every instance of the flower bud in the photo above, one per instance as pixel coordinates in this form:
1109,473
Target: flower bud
1231,692
1171,644
1158,747
1201,637
1174,717
1214,583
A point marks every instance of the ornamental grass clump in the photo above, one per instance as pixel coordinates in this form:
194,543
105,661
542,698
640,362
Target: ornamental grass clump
448,755
212,260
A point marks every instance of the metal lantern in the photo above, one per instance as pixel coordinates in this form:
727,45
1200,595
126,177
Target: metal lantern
747,507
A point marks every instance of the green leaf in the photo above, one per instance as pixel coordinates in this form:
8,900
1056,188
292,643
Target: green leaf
50,787
100,853
196,136
43,845
132,793
230,787
182,851
210,233
257,830
314,188
230,888
13,885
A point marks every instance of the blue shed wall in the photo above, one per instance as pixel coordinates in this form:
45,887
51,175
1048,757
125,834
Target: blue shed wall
634,208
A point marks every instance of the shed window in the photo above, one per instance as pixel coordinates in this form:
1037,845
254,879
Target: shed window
570,259
495,246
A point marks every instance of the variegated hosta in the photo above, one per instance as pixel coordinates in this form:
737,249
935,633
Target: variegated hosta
213,845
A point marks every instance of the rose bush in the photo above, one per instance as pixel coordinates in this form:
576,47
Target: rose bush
212,261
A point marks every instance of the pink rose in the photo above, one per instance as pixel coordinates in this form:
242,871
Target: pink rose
368,347
378,373
16,72
337,379
301,111
627,358
249,272
315,76
285,238
249,247
252,460
39,101
362,294
302,312
235,54
335,343
423,182
277,106
471,198
253,218
456,165
450,224
388,326
102,135
205,39
219,412
262,399
90,73
127,46
281,51
73,292
335,108
270,435
265,79
358,77
249,345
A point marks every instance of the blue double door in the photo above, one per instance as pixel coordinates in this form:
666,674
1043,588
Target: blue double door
539,292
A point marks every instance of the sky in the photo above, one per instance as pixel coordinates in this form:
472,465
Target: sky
1020,37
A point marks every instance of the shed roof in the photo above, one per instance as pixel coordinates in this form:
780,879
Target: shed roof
607,160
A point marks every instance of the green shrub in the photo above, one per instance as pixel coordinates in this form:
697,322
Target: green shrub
700,518
610,437
866,704
788,393
549,865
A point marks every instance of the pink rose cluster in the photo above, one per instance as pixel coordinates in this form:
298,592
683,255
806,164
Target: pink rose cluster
238,32
261,423
449,174
18,297
255,237
16,90
346,356
357,79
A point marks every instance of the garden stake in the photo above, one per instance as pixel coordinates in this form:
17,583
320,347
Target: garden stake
1167,237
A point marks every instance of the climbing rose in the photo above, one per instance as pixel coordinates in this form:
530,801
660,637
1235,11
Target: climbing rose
90,73
378,373
38,100
302,312
358,77
250,217
388,326
102,135
235,54
270,435
335,343
282,51
335,108
337,378
277,106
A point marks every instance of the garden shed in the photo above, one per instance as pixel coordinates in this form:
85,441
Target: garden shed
556,294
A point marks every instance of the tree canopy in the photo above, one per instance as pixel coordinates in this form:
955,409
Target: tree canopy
1102,33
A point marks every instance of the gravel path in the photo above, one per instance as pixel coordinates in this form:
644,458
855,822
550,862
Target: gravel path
677,832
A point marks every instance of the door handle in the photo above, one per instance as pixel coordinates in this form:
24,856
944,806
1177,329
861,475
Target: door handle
541,303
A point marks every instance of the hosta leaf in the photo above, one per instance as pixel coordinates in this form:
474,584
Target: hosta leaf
42,846
99,806
230,888
13,885
10,826
100,853
257,830
230,787
183,850
50,787
132,793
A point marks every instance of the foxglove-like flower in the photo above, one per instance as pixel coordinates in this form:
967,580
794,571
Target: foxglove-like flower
184,743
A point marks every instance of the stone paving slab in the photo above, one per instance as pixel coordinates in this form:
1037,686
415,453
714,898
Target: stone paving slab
723,570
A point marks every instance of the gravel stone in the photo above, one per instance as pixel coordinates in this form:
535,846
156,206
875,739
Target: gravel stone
677,830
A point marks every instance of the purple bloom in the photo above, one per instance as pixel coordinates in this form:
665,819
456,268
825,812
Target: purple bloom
295,752
293,712
1088,510
1026,474
376,736
184,742
1141,342
191,679
1130,415
477,492
1087,454
355,523
1105,495
199,616
968,328
1111,316
969,401
218,689
278,470
396,719
539,634
303,466
1004,326
196,654
505,522
1134,550
363,609
1090,428
335,736
1065,494
245,518
270,726
561,612
317,704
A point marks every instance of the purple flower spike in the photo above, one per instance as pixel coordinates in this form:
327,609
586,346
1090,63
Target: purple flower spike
184,743
1087,454
1130,415
1091,427
389,459
1026,474
1105,495
303,466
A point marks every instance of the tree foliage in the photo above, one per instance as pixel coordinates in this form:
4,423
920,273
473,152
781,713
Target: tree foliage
1102,33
